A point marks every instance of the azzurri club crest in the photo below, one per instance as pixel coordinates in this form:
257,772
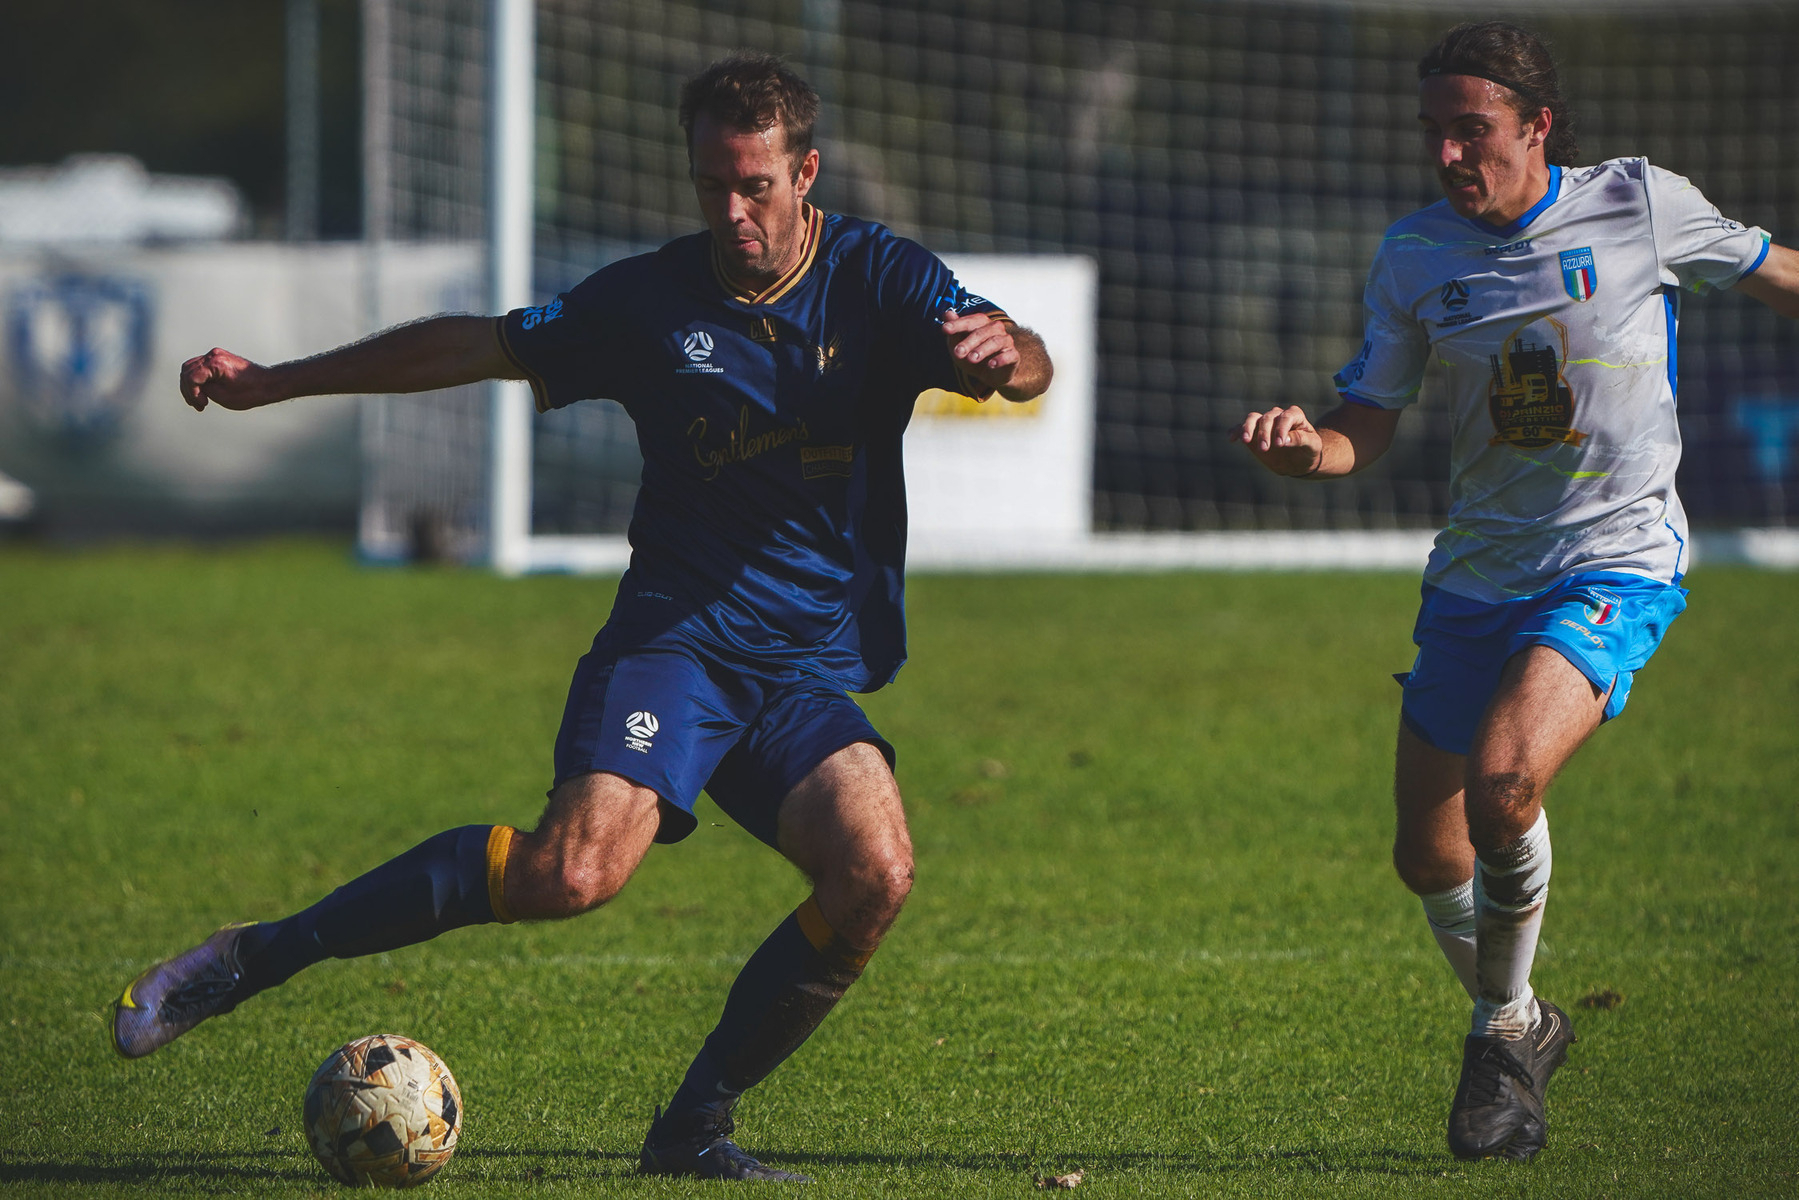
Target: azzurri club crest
1580,278
80,349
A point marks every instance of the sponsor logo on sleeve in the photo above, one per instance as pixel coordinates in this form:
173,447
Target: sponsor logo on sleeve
543,315
1349,376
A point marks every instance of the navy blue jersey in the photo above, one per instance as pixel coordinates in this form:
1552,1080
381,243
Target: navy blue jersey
771,520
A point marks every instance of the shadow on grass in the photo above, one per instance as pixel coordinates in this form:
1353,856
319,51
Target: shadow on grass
1223,1162
235,1169
239,1167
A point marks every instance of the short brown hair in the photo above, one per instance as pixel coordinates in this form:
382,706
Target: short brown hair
1517,60
755,91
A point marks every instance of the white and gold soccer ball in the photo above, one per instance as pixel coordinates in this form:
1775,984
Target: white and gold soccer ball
384,1112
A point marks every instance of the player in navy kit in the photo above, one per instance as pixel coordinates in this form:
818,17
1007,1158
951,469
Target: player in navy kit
770,364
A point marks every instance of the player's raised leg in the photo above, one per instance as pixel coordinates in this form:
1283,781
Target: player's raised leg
844,826
594,832
1544,708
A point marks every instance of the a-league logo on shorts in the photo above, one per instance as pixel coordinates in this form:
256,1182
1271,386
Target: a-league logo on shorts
640,727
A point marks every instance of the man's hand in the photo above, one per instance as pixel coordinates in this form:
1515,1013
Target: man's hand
1283,441
1003,355
978,339
227,380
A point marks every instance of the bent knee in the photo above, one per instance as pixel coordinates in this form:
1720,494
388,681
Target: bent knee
866,897
1501,805
1423,872
550,883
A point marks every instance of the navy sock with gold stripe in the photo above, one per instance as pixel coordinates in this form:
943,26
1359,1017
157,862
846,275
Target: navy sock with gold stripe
784,991
443,883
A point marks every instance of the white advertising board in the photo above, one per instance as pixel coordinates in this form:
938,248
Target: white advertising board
90,416
998,483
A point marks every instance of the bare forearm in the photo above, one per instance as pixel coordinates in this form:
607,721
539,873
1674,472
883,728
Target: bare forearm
1336,456
1776,282
438,352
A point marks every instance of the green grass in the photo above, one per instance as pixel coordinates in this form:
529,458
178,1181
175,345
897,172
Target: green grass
1154,934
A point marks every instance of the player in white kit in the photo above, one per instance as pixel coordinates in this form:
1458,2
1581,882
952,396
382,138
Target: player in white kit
1551,294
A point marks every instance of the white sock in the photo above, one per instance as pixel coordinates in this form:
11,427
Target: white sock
1511,885
1451,916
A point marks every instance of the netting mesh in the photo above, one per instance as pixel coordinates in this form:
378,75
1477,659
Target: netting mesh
1230,166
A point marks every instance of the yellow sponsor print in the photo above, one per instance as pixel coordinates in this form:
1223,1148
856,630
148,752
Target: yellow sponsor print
940,403
740,444
819,461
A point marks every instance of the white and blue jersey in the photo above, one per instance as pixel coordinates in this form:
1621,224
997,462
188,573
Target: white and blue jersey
1557,336
771,522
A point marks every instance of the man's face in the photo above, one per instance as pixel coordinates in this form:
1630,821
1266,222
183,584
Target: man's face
1480,148
750,195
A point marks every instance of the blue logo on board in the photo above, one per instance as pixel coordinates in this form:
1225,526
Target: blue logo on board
1580,278
80,354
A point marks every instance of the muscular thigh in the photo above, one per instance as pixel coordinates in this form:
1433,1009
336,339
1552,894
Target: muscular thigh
1542,710
800,726
846,812
844,826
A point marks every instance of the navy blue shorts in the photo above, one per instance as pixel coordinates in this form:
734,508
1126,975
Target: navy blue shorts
1606,623
676,716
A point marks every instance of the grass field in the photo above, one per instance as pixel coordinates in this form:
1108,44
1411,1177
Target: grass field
1154,935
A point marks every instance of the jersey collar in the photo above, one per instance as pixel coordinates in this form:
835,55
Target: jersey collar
1531,214
815,224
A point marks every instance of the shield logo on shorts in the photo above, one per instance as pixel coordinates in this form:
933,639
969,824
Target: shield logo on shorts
1602,606
1580,278
80,349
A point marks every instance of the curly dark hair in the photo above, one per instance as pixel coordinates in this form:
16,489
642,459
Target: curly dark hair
756,91
1515,59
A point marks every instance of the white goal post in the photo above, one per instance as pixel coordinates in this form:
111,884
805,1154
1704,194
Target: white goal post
453,91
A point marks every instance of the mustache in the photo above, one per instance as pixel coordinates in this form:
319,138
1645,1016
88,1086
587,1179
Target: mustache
1457,178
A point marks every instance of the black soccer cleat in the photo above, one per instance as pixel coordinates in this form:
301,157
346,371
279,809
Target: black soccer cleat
698,1145
1498,1108
178,993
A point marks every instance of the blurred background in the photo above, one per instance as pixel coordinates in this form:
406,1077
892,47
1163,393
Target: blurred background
281,177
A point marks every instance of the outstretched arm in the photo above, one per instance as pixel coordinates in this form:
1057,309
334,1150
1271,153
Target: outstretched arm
1345,440
1776,282
438,352
1002,354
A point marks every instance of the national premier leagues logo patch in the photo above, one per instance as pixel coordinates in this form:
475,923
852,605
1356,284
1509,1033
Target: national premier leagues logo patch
1580,278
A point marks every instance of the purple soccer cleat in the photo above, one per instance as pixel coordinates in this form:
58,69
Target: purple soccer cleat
177,994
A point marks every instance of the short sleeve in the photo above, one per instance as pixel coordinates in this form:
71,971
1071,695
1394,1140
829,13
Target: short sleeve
1389,369
568,349
913,287
1696,246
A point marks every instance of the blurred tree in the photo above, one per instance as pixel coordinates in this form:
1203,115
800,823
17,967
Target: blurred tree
192,87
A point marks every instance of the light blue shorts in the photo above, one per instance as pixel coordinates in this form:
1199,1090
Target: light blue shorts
1606,623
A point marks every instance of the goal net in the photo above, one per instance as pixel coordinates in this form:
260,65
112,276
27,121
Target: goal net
1229,167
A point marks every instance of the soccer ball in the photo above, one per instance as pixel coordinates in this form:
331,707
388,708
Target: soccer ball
383,1112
